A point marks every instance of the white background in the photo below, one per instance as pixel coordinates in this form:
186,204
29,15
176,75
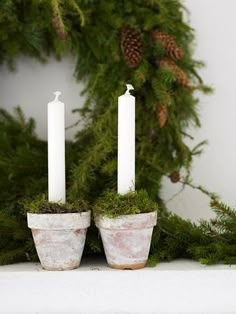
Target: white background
31,87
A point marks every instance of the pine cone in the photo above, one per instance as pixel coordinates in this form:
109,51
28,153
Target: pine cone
175,176
131,46
61,33
162,115
181,76
169,43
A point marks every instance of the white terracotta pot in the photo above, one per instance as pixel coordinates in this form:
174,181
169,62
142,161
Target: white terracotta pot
59,238
126,239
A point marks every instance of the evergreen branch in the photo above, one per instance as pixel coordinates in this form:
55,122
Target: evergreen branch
187,135
200,188
77,8
168,233
73,125
195,73
152,6
175,194
208,229
222,209
197,150
12,256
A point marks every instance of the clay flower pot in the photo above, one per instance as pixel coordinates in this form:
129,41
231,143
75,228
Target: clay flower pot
59,238
127,238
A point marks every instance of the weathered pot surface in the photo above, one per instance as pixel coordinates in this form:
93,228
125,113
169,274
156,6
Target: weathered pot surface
127,239
59,238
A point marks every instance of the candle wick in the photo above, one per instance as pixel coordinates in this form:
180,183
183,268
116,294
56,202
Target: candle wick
57,93
129,87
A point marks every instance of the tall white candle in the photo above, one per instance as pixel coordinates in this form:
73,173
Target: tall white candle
56,151
126,142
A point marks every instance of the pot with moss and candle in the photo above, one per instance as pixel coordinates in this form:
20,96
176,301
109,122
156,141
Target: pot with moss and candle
126,223
59,231
126,219
58,227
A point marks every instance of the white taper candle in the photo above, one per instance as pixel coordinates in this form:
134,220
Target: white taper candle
56,151
126,142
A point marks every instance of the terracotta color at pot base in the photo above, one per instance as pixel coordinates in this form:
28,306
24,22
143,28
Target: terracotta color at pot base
129,266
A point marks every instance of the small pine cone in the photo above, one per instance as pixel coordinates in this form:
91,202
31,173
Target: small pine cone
181,76
162,115
131,46
56,22
61,33
175,52
175,176
169,43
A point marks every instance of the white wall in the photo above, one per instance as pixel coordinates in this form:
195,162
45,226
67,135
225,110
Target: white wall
32,85
214,22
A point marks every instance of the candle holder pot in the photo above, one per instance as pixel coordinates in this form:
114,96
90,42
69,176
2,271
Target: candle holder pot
126,224
59,235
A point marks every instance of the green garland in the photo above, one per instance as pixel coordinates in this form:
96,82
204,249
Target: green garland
210,242
146,43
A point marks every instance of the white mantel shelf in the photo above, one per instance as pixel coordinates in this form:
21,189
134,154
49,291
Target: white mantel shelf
180,286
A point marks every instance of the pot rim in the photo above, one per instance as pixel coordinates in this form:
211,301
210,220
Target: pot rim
59,214
63,221
132,221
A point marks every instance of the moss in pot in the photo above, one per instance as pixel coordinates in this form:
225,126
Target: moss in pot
59,231
126,224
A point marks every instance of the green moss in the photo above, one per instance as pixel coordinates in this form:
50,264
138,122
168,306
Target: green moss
112,204
41,205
